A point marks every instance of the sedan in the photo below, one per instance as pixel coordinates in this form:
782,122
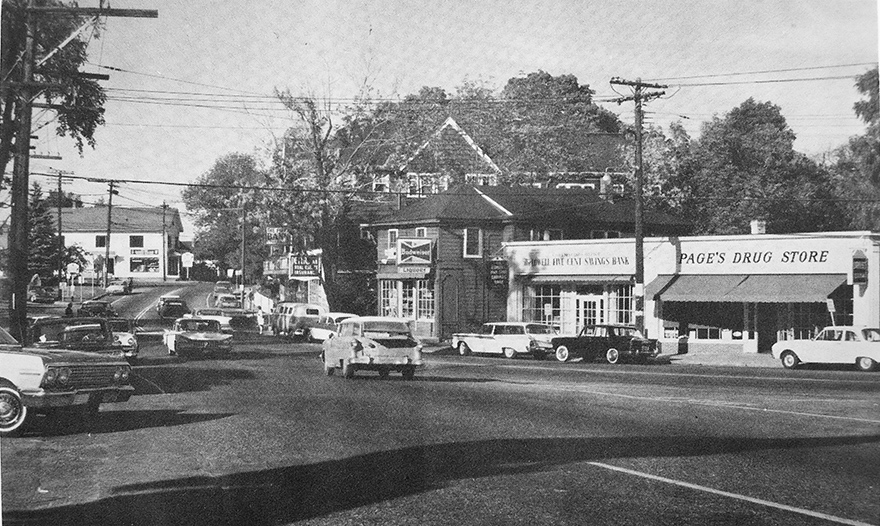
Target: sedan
191,337
833,345
373,343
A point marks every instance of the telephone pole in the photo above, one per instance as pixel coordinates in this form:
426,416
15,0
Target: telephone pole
638,97
109,229
27,90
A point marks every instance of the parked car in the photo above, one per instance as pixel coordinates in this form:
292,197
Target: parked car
373,343
325,326
125,336
833,345
119,287
42,295
196,337
613,343
96,308
291,318
171,306
228,301
36,380
507,338
88,334
223,287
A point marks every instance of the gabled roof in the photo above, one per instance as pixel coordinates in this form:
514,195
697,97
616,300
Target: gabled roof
450,149
140,220
523,203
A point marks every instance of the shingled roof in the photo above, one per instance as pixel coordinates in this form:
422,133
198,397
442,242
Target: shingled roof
140,220
467,203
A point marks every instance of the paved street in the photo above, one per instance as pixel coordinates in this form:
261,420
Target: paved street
265,438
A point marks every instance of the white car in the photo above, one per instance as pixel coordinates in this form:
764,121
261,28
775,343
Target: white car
196,337
833,345
507,338
373,343
213,314
325,327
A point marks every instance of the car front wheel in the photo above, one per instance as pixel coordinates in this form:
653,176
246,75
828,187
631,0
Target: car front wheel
562,353
866,364
463,349
13,412
789,360
612,356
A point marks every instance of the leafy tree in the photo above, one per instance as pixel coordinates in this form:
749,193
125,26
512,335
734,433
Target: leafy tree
745,167
43,237
81,100
217,199
856,165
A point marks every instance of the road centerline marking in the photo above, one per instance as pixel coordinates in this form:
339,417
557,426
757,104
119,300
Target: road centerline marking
737,496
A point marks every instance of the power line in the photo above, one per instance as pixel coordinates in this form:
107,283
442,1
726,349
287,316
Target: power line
765,71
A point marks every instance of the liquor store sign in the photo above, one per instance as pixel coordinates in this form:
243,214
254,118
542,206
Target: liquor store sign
414,251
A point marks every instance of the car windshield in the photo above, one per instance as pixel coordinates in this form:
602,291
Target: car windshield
628,331
389,327
871,335
120,325
6,338
536,328
200,326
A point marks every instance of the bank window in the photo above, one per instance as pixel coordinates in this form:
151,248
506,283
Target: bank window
392,238
543,304
622,302
473,242
100,241
136,241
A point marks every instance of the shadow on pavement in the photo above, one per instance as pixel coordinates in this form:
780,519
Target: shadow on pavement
115,421
300,492
175,379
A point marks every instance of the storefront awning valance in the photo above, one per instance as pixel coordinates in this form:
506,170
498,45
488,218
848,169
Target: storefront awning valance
590,279
745,288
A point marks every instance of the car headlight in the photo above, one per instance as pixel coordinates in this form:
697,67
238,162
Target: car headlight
63,376
50,376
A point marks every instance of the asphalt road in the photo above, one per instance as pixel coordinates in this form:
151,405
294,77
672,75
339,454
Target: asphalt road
265,438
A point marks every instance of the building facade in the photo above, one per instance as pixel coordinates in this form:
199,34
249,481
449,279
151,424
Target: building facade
740,293
143,243
441,261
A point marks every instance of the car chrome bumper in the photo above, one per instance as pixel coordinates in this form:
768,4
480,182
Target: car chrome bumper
43,398
368,361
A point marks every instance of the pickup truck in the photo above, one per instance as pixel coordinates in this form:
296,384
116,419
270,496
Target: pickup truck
614,343
507,338
34,380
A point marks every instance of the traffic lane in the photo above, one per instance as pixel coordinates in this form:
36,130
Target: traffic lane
833,393
319,426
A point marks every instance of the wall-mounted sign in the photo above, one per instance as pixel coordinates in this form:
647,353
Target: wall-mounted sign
498,272
302,266
419,271
414,251
276,235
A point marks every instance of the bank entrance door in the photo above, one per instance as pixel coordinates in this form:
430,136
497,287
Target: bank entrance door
589,310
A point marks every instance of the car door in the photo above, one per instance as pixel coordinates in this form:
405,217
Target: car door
825,348
510,337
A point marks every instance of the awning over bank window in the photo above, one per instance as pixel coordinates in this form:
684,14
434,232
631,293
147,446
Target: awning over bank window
590,279
746,288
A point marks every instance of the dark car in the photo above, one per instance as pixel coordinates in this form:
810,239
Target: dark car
613,343
41,295
172,307
76,334
96,308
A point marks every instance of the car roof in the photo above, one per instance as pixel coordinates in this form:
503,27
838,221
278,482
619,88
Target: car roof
356,319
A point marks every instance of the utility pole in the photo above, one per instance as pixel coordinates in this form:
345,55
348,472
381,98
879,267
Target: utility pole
164,239
638,97
27,91
109,228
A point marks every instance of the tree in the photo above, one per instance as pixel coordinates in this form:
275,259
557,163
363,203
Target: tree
745,168
217,198
43,237
856,165
80,100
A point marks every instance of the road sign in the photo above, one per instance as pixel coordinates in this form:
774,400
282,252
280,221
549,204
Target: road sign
186,259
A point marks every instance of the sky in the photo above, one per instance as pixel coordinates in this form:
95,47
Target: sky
197,82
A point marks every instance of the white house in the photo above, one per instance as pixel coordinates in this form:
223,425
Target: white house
142,242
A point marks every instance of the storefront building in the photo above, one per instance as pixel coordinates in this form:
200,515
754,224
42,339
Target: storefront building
739,293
